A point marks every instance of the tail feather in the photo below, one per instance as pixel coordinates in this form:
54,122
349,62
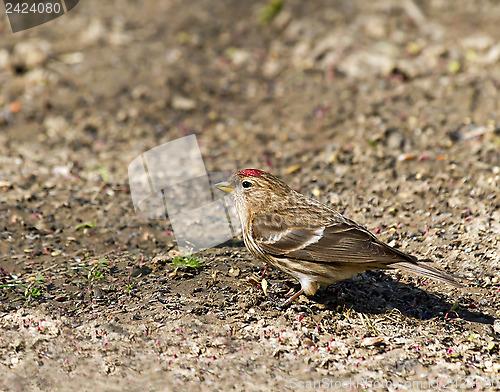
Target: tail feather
428,271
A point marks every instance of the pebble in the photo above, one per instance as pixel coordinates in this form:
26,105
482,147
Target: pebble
183,103
496,326
31,53
316,192
4,58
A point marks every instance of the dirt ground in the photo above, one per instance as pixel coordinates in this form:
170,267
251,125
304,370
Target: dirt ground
386,110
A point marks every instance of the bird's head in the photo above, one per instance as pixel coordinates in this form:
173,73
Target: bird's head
253,188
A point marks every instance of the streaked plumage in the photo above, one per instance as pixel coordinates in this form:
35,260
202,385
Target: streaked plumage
308,240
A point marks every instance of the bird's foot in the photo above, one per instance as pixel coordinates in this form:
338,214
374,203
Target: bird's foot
282,303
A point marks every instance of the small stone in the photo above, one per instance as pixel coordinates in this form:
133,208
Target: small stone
55,125
183,103
31,54
306,342
4,58
173,253
372,341
234,272
496,326
72,58
160,259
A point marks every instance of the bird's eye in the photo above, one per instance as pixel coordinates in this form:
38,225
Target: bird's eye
246,184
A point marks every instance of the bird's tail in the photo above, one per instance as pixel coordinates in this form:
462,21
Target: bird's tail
422,269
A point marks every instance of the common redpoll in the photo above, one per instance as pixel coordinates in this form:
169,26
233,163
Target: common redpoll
308,240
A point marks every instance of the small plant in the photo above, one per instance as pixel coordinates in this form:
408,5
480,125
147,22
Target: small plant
95,269
452,312
187,261
89,224
103,173
33,287
268,12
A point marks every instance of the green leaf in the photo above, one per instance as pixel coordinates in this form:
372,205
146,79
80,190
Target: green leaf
187,261
103,173
87,224
268,12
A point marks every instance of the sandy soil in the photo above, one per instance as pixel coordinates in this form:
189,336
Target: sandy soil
385,110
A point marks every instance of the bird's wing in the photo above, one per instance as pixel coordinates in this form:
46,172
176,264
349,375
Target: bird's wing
338,242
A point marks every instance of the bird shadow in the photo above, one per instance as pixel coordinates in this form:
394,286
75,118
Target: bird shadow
375,292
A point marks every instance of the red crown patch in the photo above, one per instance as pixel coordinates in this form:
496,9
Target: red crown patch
250,173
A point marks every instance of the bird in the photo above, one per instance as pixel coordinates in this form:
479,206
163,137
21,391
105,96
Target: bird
308,240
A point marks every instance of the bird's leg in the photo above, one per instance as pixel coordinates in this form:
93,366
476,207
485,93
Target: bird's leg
264,272
287,302
284,303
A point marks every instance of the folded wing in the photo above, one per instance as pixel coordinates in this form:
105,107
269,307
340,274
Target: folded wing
341,243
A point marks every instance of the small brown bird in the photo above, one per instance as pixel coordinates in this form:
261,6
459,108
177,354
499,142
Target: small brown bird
308,240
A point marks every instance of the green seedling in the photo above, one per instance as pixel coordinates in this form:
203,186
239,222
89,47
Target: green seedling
452,310
95,269
89,224
268,12
103,173
33,287
187,261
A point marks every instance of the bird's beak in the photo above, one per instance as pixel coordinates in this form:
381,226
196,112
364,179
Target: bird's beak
225,186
